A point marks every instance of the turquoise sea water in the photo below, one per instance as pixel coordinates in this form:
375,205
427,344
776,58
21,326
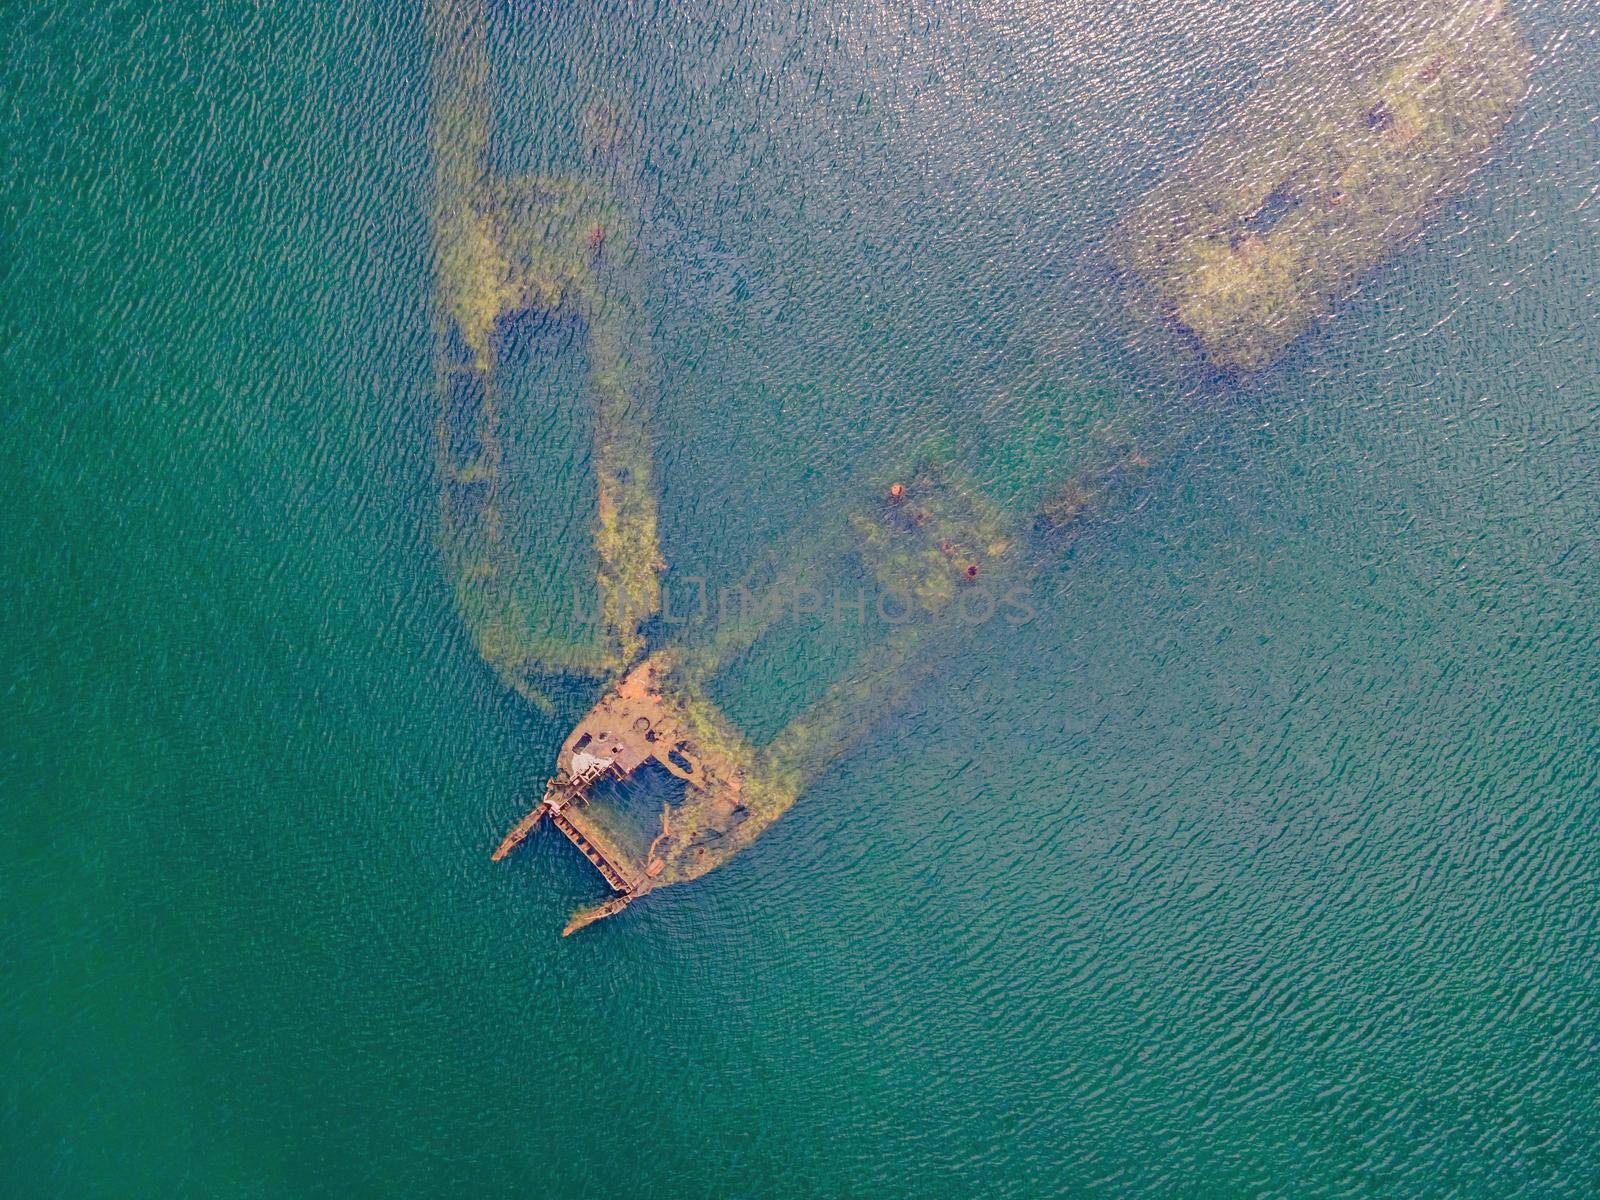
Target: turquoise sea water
1283,880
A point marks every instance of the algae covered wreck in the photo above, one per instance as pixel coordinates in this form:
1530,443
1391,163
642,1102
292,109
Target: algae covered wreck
924,547
917,545
1279,214
505,246
1269,222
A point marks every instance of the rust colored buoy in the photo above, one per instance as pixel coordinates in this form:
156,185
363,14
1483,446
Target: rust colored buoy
896,491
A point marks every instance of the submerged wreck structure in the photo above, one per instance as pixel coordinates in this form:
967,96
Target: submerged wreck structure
505,246
922,546
1279,214
1240,247
917,545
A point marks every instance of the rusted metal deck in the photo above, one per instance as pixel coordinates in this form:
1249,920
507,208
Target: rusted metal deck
564,802
593,846
519,834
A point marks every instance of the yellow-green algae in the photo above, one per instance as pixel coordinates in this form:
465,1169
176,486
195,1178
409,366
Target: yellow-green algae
1278,215
1270,221
503,246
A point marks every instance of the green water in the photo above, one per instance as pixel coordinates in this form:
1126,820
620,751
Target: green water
1283,882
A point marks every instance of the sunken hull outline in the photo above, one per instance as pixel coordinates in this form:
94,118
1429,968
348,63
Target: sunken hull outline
1281,213
504,246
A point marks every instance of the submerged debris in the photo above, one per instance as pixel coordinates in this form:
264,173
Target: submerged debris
510,245
1278,215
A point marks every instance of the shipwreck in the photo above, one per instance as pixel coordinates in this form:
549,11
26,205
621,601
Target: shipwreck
1280,213
1271,220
